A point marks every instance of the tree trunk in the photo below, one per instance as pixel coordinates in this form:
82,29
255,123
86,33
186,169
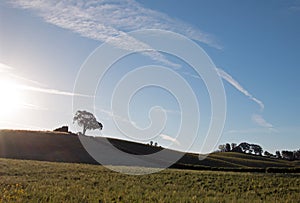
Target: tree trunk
84,130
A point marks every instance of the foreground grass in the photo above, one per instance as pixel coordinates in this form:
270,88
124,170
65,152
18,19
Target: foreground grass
33,181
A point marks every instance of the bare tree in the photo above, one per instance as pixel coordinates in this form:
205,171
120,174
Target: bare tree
87,121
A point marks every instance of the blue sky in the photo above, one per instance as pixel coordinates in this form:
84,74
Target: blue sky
254,45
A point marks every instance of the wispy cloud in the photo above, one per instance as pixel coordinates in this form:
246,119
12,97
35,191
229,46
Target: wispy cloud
295,8
251,131
169,138
51,91
110,20
239,87
7,72
111,115
102,20
32,106
258,119
5,68
228,78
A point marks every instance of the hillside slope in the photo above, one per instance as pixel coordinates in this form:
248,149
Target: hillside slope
66,147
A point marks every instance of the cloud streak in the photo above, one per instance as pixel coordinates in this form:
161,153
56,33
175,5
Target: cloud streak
51,91
110,20
5,68
113,116
251,131
169,138
101,20
32,107
258,119
7,72
228,78
239,87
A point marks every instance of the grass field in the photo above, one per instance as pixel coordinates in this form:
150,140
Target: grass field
34,181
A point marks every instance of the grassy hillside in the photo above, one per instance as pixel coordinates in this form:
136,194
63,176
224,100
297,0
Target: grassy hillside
37,181
43,145
66,147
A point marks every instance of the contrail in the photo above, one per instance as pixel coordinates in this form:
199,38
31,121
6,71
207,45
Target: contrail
169,138
51,91
239,87
7,71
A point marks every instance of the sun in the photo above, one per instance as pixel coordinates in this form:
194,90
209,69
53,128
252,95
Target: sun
9,98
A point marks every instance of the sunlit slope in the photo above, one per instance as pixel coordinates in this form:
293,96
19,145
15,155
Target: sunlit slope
248,160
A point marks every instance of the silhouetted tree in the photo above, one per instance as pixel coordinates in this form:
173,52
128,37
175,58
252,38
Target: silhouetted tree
222,148
155,144
237,149
245,147
289,155
233,145
278,155
297,154
268,154
227,147
151,143
87,121
256,149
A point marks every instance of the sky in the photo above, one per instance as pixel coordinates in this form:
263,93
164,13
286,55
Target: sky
254,45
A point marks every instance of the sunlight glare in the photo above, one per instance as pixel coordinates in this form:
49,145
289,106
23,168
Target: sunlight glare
9,98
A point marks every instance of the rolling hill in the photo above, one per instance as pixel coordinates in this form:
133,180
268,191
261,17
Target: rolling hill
66,147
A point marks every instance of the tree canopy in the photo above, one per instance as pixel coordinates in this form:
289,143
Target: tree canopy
256,149
87,121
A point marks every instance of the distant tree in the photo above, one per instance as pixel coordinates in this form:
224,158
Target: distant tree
227,147
233,145
268,154
87,121
155,144
245,147
256,149
289,155
222,148
237,149
151,143
278,155
297,154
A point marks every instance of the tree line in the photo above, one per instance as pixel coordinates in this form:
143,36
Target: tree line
88,121
256,149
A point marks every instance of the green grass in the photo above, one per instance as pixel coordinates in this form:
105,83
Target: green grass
34,181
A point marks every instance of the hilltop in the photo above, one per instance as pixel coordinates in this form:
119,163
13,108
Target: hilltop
66,147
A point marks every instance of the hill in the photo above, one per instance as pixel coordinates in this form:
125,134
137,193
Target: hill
66,147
